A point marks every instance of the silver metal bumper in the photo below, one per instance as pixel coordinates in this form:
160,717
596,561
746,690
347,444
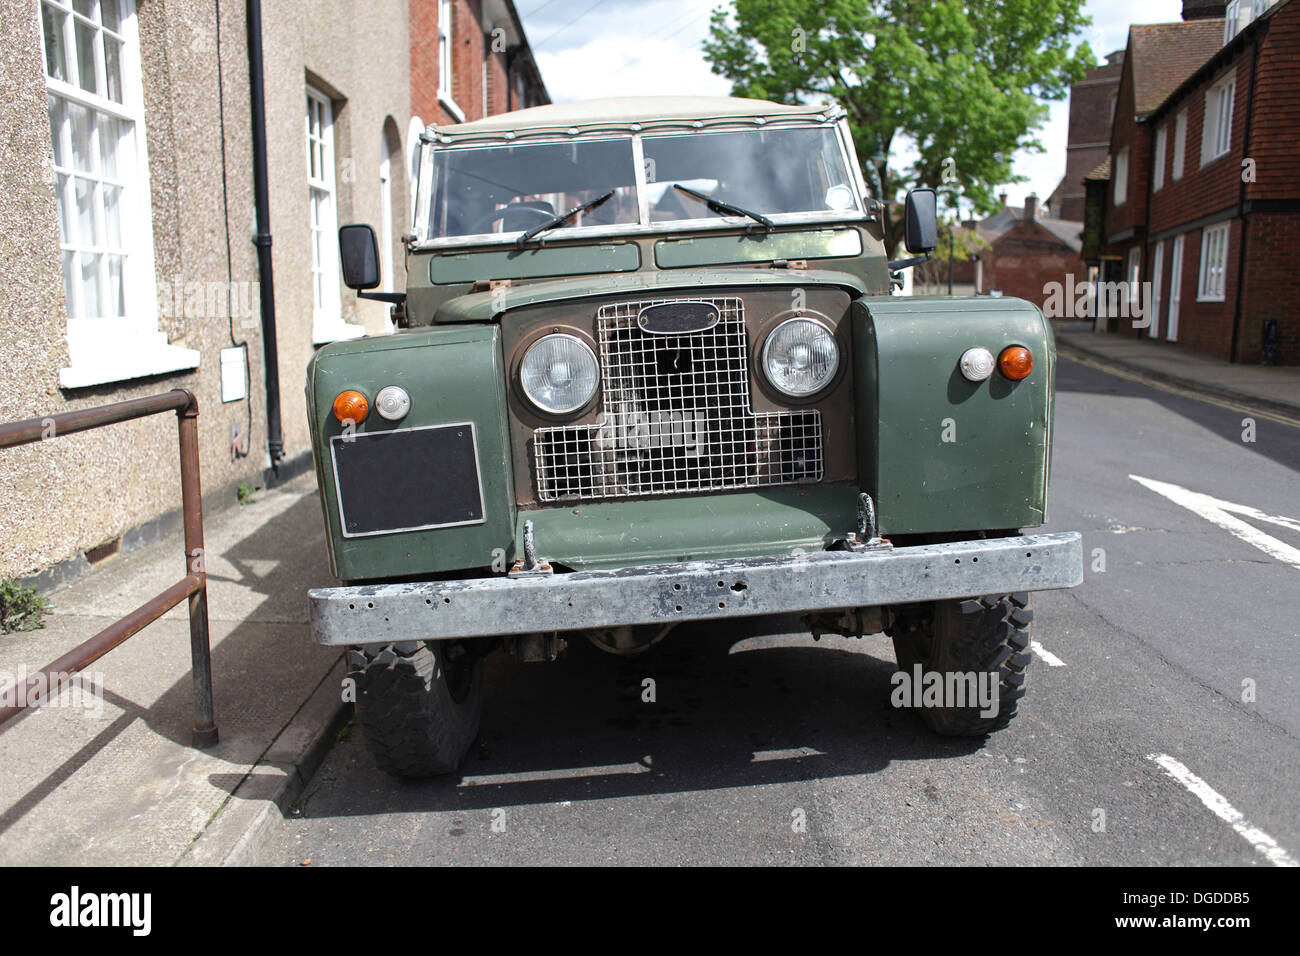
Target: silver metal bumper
698,590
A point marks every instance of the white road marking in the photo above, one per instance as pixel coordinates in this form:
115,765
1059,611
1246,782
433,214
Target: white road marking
1048,657
1224,810
1216,511
539,776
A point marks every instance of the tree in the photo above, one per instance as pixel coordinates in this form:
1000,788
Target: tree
955,242
965,80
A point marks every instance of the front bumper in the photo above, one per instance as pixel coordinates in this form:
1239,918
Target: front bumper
694,591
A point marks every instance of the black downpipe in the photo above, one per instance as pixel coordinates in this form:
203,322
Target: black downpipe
257,89
1241,205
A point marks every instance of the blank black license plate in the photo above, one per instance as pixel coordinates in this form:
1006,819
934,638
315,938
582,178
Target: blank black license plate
408,480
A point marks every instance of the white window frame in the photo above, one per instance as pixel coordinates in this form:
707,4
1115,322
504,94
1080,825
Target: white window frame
108,348
1180,147
446,61
1175,287
1158,173
1216,131
322,200
1133,273
1120,190
386,157
1212,282
1157,267
1231,18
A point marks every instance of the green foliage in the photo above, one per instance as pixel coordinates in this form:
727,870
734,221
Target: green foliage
246,492
965,243
21,608
961,78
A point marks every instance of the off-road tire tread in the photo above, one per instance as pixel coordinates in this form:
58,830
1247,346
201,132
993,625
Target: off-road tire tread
992,634
410,722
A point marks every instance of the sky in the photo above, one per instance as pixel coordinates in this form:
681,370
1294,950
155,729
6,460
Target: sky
594,48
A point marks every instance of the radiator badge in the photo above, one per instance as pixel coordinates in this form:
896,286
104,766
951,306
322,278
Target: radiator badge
677,318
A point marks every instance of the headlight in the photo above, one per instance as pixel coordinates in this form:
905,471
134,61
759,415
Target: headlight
559,374
800,357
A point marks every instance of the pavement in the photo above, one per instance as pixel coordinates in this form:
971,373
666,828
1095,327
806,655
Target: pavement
1271,388
712,776
110,778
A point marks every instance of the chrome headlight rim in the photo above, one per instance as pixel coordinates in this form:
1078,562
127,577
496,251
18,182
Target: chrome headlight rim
831,378
532,402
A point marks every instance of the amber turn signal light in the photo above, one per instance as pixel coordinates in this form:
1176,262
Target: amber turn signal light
1015,362
351,407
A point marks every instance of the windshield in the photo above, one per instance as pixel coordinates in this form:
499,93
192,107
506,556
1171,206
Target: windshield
767,171
509,190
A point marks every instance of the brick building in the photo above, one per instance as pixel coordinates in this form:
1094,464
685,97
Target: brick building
1202,200
1027,252
1092,110
470,59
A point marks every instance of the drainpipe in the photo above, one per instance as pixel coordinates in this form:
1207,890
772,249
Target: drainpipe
1241,201
257,89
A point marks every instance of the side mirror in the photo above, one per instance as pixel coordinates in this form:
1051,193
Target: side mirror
921,221
359,255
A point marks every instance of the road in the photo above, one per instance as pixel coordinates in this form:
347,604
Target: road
1160,727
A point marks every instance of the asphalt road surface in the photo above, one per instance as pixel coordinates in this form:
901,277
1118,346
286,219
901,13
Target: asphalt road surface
1160,727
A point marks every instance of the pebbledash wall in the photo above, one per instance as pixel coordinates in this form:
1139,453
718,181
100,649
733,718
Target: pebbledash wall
61,498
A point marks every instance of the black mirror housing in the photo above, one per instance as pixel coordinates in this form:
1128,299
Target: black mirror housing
921,221
359,255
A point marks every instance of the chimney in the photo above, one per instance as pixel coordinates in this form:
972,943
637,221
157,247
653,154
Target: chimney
1204,9
1003,197
1031,206
1115,59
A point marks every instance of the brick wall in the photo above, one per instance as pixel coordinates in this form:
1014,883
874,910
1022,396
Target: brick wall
1203,190
1136,137
468,46
1024,259
1090,123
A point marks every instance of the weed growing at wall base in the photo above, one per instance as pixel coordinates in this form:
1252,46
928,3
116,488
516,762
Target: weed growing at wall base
21,607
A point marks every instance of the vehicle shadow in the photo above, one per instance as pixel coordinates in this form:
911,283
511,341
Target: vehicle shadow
729,709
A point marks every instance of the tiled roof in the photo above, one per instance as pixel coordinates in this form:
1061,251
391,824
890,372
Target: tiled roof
1101,173
1165,54
1002,221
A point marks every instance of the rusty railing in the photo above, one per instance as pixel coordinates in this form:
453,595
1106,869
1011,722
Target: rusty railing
194,586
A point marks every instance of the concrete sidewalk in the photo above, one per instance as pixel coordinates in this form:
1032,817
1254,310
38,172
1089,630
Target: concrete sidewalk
122,785
1271,388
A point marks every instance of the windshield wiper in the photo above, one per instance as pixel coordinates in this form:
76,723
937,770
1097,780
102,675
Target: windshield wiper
718,206
562,218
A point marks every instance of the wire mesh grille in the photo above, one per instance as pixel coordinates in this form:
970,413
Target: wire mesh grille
675,418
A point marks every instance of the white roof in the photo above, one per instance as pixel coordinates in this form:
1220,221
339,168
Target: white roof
622,112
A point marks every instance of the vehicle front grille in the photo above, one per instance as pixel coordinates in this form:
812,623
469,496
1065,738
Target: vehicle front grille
675,418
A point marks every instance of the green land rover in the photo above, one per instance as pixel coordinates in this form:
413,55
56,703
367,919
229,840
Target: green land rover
648,371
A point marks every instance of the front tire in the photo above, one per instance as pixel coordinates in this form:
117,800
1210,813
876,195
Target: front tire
980,636
418,704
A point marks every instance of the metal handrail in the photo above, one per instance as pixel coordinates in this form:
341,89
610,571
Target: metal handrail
193,586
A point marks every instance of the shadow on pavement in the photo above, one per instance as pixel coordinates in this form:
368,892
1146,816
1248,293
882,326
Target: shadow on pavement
730,712
264,666
1273,440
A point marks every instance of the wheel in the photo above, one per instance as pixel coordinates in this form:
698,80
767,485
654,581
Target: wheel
418,704
988,635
